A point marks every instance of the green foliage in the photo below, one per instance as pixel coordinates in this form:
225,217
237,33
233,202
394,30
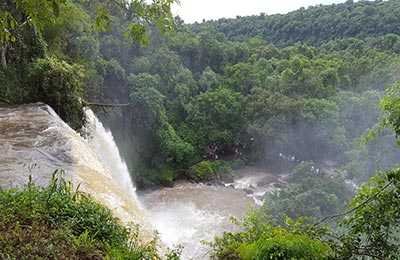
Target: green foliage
209,80
310,194
59,221
270,119
71,39
368,231
7,21
35,13
215,116
60,85
32,76
10,92
85,243
373,225
152,101
390,106
33,31
140,14
314,25
209,170
201,171
357,166
283,245
137,33
297,93
175,253
261,238
154,174
102,20
325,116
172,145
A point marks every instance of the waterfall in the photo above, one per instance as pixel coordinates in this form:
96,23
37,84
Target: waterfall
33,134
101,140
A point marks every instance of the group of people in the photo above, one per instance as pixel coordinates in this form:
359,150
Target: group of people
317,171
212,151
291,161
237,149
288,158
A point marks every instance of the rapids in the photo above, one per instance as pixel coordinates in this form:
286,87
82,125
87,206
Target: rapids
188,213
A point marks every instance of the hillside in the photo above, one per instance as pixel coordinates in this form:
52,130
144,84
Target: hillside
315,25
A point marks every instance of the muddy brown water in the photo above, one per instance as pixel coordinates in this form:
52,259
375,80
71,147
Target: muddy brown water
189,213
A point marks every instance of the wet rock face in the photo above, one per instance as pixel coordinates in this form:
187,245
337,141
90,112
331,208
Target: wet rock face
31,144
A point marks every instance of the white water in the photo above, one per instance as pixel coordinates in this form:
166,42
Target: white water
185,224
102,141
188,213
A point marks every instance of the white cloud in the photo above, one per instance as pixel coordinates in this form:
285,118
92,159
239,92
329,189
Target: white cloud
197,10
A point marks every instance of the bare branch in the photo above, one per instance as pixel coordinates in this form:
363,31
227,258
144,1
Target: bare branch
355,208
104,105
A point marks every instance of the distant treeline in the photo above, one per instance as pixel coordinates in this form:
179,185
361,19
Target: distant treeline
314,25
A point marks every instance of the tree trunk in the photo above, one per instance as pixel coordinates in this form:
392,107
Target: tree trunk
36,32
3,60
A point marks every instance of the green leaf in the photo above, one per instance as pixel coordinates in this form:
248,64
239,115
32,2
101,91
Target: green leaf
56,8
138,8
103,20
137,33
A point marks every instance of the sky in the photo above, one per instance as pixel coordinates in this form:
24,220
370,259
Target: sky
196,10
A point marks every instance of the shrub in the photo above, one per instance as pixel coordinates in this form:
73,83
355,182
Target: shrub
60,85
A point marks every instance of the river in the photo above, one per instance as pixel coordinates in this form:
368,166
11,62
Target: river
189,213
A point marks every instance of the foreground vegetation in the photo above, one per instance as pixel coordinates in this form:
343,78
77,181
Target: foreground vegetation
59,222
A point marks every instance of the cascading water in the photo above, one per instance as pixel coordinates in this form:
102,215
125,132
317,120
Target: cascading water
102,141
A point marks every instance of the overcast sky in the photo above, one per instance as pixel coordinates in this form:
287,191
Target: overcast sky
197,10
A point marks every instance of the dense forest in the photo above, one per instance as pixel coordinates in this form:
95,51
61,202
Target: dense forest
202,88
314,25
193,101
